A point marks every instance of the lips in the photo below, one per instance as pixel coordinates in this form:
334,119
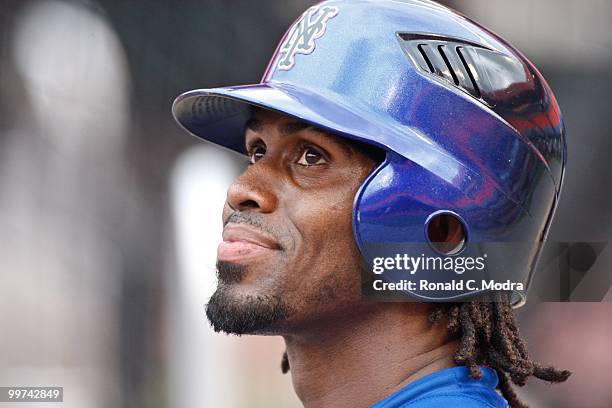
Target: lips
240,242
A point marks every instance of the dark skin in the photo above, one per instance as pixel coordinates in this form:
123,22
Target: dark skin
288,229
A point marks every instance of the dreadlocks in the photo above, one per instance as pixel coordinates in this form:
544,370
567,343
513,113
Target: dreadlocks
489,336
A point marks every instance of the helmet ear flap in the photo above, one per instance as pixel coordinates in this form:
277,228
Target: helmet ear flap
410,226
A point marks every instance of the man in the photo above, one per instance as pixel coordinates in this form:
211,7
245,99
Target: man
381,128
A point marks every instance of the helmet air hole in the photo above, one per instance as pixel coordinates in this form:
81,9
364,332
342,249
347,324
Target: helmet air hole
446,233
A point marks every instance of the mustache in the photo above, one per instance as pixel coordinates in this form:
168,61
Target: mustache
252,219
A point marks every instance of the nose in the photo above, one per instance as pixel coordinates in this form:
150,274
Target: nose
252,190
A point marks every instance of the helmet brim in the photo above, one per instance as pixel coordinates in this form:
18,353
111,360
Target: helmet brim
219,115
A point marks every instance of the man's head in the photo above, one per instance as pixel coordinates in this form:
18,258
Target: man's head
288,256
441,96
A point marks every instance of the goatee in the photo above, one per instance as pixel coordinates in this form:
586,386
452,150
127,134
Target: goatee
246,314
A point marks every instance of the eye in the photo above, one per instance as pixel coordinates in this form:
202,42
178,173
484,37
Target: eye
311,157
256,153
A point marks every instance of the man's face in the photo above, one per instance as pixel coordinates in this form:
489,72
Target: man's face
288,257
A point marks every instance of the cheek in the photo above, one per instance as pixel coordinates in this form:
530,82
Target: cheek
325,223
325,272
325,214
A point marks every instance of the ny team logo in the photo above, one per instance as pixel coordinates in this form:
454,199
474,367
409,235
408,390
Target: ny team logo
301,39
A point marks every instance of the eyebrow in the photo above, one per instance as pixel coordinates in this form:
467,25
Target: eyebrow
288,128
254,125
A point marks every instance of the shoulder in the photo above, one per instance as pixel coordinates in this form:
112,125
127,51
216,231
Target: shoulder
455,400
450,387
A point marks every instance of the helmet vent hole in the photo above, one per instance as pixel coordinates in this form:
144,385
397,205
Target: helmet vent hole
450,60
474,90
446,233
421,49
448,64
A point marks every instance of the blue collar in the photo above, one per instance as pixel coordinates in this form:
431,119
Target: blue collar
447,386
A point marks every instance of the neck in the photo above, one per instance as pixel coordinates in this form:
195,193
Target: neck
357,361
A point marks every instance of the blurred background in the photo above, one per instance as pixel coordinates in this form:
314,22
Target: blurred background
110,214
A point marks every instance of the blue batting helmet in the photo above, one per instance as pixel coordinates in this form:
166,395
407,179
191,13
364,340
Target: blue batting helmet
470,129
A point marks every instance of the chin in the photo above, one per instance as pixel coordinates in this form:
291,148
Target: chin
242,308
